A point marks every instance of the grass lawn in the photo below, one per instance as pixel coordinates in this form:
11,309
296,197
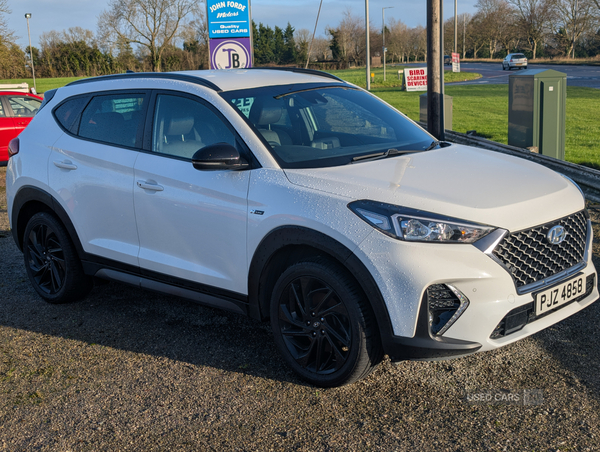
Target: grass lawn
42,84
485,109
358,76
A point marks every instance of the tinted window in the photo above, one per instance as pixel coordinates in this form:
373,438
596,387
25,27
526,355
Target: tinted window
183,125
24,106
114,119
68,112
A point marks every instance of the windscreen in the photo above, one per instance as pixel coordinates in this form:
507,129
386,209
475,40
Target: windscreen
326,126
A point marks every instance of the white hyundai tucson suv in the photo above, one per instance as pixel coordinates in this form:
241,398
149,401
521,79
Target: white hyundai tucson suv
295,197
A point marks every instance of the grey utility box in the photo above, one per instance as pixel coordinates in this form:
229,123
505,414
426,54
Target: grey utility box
537,99
447,110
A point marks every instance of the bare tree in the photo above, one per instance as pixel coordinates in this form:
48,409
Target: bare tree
496,22
320,50
151,24
572,19
397,40
533,21
349,37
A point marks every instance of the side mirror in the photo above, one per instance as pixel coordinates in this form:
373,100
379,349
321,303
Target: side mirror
219,156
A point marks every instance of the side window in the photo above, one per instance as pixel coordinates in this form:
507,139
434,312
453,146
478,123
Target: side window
68,113
114,119
2,114
24,106
182,126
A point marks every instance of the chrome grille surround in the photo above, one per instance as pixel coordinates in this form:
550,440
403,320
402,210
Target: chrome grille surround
534,263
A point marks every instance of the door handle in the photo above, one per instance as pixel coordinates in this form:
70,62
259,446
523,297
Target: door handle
149,186
67,164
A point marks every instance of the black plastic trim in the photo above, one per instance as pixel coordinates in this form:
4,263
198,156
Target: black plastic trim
157,75
423,346
283,246
28,194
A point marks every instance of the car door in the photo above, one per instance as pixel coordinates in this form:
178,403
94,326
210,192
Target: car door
91,170
23,110
7,130
191,223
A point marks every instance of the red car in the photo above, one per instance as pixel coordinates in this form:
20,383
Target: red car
16,111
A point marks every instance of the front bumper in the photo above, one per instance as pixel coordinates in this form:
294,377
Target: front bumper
403,271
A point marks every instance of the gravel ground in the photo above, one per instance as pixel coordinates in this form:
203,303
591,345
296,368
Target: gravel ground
131,370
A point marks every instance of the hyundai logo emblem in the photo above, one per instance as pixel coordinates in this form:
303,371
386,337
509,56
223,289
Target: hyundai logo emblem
556,235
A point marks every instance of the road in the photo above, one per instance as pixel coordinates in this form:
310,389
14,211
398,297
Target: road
492,73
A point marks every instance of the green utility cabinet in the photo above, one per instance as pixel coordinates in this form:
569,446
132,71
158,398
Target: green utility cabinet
537,100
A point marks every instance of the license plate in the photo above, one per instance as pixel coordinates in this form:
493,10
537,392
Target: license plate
559,295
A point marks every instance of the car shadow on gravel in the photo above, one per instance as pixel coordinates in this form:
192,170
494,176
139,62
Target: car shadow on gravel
127,318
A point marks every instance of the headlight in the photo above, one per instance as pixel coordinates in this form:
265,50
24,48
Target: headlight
417,226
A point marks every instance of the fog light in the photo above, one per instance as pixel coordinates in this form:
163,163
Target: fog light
445,305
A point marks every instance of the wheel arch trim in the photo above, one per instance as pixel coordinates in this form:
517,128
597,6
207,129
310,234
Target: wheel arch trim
269,253
28,195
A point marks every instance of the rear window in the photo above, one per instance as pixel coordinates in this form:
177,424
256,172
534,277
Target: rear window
114,119
68,112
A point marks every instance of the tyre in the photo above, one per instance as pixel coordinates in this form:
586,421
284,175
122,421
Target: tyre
503,67
51,261
323,325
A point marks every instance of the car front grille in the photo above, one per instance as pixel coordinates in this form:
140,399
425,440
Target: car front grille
530,258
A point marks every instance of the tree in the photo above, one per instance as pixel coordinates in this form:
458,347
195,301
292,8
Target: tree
348,39
571,20
11,56
290,54
152,24
496,23
72,52
533,21
302,40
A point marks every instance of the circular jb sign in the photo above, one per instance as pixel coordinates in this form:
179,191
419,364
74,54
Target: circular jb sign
230,54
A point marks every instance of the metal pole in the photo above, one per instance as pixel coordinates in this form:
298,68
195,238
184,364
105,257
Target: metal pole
575,25
368,50
27,16
455,27
383,36
442,136
464,34
313,36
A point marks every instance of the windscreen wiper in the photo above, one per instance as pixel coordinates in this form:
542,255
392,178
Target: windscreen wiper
382,155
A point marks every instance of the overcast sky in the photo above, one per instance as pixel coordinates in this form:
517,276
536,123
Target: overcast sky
47,15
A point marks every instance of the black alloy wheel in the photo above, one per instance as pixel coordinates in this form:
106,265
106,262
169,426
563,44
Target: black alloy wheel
322,325
51,262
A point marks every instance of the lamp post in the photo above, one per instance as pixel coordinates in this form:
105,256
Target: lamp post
28,16
367,44
383,36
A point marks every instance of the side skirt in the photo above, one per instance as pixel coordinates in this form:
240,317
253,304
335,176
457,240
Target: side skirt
199,293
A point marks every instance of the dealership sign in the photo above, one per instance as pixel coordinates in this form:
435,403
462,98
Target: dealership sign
229,33
228,19
415,79
230,53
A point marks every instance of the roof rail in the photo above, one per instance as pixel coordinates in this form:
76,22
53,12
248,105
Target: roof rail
162,75
302,71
